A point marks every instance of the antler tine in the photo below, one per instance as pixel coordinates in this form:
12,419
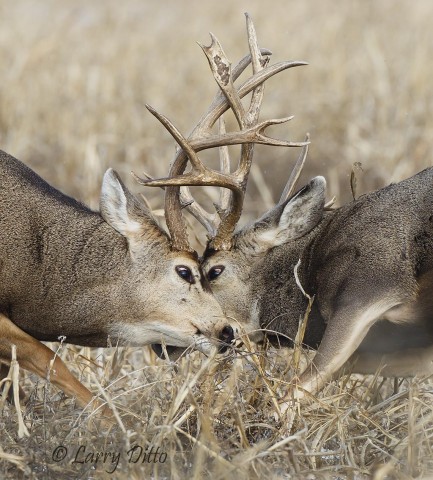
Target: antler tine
221,69
180,139
258,62
225,194
296,172
252,134
231,215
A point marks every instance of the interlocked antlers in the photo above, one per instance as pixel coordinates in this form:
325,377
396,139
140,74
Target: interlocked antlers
221,226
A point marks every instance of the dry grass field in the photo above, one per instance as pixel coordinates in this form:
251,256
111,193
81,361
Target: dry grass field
75,76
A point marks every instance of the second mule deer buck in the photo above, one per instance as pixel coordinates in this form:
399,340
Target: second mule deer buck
367,266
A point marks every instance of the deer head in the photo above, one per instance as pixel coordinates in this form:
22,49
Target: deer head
230,254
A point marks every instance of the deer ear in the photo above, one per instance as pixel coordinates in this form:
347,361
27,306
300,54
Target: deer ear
292,219
124,212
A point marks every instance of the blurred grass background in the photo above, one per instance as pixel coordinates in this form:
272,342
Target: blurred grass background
75,76
74,79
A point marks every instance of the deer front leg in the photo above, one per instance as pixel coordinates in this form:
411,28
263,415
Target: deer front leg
35,357
344,333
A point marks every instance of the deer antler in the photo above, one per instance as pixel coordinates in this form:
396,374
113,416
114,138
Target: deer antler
296,172
220,226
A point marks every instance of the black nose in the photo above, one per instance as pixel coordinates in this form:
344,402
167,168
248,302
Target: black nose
227,334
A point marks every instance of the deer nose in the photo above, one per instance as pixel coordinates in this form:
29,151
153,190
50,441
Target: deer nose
227,334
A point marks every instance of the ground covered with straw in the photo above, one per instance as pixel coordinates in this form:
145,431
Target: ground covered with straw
75,78
217,418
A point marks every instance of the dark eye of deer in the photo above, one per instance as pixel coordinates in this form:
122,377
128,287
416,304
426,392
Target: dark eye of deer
185,273
215,272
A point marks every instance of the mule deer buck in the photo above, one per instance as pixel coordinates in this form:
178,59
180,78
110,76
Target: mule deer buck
367,266
94,278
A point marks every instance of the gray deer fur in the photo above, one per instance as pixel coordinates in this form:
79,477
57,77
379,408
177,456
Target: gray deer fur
368,264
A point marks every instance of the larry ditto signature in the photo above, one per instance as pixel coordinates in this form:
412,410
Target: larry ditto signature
110,459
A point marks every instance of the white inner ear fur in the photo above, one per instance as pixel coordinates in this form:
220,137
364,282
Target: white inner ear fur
301,214
114,206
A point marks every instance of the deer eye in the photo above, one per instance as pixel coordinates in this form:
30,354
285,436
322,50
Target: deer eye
185,273
215,272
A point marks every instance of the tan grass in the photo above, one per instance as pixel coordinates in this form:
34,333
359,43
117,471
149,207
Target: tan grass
215,417
75,76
